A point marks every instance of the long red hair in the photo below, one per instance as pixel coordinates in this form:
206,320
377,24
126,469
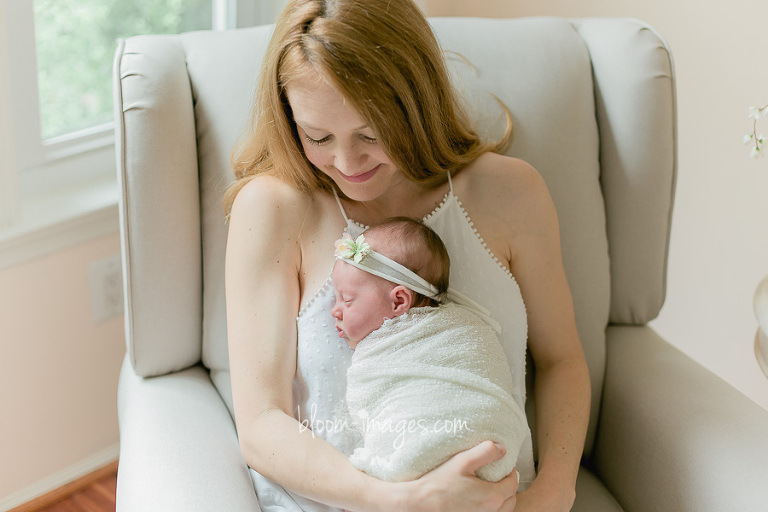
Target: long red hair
382,56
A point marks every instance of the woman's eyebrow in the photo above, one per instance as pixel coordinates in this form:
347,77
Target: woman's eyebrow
307,126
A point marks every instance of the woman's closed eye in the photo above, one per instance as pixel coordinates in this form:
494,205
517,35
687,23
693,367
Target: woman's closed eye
327,139
317,142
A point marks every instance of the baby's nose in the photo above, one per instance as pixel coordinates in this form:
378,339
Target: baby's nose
336,312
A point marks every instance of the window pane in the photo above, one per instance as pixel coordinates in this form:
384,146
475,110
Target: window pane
76,41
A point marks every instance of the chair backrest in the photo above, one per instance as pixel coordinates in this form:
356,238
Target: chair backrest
593,105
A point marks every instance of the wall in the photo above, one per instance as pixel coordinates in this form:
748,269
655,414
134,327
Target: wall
719,245
58,372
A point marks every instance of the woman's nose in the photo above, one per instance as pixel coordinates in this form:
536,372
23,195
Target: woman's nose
349,159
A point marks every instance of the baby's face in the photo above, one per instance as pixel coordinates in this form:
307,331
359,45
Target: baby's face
362,302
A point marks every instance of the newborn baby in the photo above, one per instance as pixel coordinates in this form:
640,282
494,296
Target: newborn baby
428,377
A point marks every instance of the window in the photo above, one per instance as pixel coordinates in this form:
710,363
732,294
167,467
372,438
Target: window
75,44
57,152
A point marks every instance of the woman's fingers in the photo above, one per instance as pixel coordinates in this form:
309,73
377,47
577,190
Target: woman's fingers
454,485
509,504
478,456
511,482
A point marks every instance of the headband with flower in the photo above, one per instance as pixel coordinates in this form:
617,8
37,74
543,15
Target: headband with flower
358,253
347,248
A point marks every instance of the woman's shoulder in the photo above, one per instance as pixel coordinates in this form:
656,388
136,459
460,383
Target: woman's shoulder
269,210
269,199
509,203
270,213
264,193
500,184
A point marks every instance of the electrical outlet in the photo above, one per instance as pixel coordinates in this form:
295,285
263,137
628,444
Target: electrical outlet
106,279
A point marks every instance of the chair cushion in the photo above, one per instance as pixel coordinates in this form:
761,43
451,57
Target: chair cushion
592,495
178,446
223,68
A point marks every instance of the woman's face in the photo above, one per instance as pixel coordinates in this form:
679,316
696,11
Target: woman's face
339,142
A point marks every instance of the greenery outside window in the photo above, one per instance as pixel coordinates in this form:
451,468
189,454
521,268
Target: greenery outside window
57,163
75,42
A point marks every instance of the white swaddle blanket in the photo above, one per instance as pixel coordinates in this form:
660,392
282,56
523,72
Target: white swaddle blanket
427,385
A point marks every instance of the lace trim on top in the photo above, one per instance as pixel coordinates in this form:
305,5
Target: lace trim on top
424,219
327,284
485,246
474,230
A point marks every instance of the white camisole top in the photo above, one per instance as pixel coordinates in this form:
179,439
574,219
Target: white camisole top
323,358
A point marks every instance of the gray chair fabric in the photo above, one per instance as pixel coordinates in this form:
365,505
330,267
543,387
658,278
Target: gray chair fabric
593,103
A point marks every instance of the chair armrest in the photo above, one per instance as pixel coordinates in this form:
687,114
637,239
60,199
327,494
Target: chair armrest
672,435
178,446
156,147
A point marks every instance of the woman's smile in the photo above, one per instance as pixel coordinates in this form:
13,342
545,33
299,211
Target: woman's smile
361,178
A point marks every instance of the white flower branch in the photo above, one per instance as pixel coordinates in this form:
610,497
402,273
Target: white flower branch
753,139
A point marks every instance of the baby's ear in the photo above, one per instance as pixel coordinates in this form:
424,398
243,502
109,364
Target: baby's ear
402,299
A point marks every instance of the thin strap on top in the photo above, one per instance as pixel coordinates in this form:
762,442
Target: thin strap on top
338,201
344,213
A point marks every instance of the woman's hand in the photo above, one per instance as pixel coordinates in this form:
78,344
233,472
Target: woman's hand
454,486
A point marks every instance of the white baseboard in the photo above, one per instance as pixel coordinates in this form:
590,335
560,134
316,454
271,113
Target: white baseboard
65,476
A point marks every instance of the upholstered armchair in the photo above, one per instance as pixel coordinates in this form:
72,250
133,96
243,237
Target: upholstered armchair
593,104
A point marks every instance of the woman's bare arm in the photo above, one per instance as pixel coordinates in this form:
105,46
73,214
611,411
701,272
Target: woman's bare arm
562,386
510,204
263,293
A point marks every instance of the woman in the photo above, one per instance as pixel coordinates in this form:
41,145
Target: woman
356,121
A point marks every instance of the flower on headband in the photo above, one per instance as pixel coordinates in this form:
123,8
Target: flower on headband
349,249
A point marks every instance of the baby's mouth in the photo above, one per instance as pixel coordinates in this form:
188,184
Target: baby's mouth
341,332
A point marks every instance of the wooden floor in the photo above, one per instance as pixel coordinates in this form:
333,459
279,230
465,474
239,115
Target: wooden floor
92,493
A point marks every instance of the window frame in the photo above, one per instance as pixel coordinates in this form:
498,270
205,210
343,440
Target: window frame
69,179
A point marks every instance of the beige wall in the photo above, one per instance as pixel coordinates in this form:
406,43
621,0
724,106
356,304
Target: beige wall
719,246
58,370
